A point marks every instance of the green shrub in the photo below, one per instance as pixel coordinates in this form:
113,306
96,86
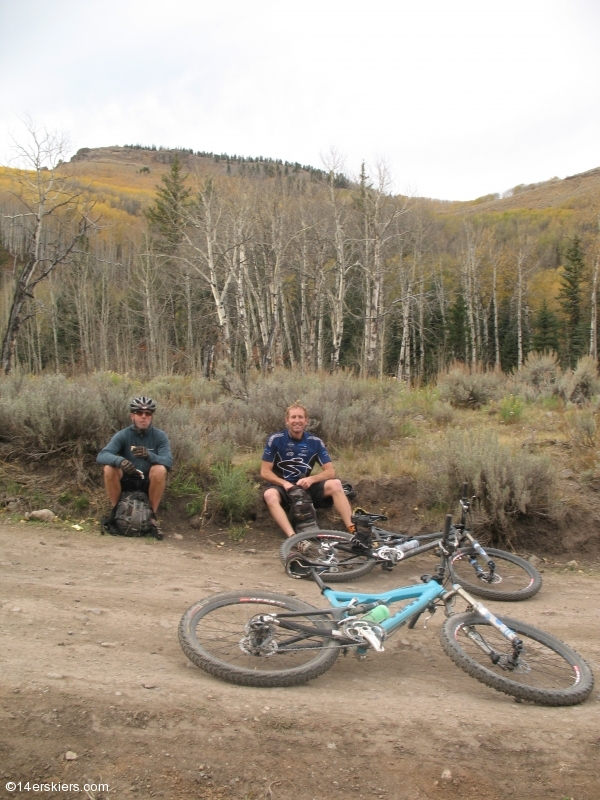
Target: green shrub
553,403
50,415
237,532
510,484
81,503
443,414
585,383
407,430
510,409
234,492
195,506
183,390
581,429
186,434
185,484
343,410
541,372
463,387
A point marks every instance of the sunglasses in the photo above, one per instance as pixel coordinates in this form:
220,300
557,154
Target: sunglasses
143,413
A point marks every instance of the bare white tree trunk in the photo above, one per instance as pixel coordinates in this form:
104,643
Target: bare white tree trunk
337,296
241,280
594,312
37,228
469,271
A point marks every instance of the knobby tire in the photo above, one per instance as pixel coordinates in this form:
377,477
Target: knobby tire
550,673
212,632
514,578
350,565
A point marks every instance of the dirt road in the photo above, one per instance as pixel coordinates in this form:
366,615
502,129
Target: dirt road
91,666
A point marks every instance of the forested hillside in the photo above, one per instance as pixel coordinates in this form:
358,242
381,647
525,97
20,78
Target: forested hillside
153,261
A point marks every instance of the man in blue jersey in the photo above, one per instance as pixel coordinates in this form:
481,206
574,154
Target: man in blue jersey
288,460
138,457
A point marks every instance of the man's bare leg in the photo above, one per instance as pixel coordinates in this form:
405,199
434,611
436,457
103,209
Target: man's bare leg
334,489
158,482
112,483
277,511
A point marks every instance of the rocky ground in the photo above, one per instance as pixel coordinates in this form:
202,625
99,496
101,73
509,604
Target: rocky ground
97,692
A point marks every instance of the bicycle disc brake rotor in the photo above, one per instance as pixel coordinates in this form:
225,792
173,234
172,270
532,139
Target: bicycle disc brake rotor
488,577
259,639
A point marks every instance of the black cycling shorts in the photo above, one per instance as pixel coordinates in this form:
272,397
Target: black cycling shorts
315,491
131,484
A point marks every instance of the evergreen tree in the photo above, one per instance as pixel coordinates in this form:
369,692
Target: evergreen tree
571,303
166,216
545,326
507,330
457,328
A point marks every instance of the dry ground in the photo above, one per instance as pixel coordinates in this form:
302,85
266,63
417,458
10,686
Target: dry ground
91,664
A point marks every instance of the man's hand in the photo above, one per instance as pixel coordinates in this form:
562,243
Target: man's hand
140,452
304,483
127,467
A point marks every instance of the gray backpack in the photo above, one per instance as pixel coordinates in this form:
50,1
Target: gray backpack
131,516
302,510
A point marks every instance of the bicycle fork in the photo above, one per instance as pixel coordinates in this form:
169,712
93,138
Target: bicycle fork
480,551
517,645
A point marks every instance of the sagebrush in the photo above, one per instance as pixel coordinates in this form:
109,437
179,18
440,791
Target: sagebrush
510,484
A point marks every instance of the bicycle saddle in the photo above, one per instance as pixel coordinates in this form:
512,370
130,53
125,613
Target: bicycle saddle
363,517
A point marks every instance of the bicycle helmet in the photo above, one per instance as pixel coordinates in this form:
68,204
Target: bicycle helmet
142,404
349,490
296,567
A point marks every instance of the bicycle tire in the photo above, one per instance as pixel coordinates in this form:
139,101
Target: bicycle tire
550,673
348,567
514,579
215,644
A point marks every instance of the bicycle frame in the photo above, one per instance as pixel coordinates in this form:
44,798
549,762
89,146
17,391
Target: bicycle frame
421,595
428,541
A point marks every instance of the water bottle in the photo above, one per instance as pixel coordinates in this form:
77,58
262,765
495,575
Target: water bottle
412,544
377,614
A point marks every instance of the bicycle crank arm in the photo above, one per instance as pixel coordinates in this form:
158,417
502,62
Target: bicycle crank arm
372,639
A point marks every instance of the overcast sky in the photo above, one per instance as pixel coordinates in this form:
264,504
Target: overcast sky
461,97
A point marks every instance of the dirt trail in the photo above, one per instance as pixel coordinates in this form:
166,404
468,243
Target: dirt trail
91,664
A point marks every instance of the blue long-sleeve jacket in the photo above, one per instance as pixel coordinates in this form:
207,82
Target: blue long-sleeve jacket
119,447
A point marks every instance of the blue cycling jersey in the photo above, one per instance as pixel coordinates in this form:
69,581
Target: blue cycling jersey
293,459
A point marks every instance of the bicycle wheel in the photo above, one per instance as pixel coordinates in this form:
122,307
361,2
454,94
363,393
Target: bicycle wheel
336,565
547,671
513,579
222,635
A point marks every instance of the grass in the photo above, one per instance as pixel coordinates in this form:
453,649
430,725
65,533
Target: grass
237,533
377,430
511,409
234,491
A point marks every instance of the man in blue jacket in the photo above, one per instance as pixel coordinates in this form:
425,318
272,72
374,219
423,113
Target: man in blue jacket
138,457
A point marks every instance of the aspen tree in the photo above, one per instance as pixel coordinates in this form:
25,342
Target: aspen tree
44,223
337,295
593,351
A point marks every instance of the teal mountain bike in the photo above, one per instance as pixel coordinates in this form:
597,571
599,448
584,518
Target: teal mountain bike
257,638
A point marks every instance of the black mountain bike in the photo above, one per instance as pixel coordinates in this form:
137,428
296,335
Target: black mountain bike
340,557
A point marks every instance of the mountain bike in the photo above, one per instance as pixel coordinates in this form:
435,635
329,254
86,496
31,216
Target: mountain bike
257,638
341,557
